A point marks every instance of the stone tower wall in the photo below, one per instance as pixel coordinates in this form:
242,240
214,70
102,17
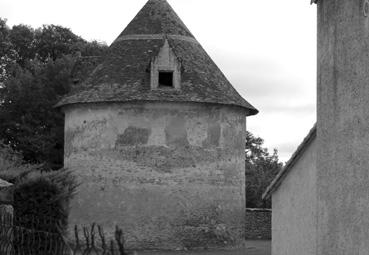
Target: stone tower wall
343,127
171,175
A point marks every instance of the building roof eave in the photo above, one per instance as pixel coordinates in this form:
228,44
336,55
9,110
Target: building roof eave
291,162
125,73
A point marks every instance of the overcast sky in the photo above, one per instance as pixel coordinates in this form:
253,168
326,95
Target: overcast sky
267,49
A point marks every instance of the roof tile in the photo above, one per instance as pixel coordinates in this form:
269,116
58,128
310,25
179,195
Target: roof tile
124,74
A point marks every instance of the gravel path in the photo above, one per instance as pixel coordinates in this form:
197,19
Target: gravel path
252,248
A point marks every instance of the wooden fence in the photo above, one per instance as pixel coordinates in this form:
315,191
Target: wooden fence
23,236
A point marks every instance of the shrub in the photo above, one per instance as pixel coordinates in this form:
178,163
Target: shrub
41,198
37,193
41,203
45,195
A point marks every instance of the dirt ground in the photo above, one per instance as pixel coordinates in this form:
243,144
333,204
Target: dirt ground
251,248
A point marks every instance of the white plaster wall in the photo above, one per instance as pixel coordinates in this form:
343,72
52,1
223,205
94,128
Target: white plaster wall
294,208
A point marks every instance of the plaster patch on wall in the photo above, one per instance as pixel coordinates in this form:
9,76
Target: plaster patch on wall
89,135
133,136
176,133
230,137
68,147
198,130
213,136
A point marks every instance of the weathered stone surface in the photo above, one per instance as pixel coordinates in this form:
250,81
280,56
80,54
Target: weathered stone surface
343,128
170,174
133,136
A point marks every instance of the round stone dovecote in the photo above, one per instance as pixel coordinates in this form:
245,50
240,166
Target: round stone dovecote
156,137
171,175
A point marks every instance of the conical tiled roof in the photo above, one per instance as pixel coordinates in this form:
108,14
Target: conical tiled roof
124,74
157,17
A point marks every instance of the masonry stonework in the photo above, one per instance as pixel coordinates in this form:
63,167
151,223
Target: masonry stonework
170,174
258,224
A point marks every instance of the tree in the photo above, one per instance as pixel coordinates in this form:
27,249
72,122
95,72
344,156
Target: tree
28,121
22,38
32,80
261,167
4,37
8,55
52,42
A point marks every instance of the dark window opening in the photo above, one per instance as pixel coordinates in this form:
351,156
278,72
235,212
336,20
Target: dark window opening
166,79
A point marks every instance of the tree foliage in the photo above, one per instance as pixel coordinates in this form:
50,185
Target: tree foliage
27,119
261,168
12,165
36,70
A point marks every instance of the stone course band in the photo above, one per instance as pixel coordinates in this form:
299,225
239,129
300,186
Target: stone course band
156,37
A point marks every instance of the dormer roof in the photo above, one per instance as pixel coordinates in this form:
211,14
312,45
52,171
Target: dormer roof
125,73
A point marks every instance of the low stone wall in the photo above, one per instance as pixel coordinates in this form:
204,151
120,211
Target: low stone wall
258,224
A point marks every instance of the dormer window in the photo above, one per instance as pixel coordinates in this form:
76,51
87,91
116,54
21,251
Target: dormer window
166,79
165,70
